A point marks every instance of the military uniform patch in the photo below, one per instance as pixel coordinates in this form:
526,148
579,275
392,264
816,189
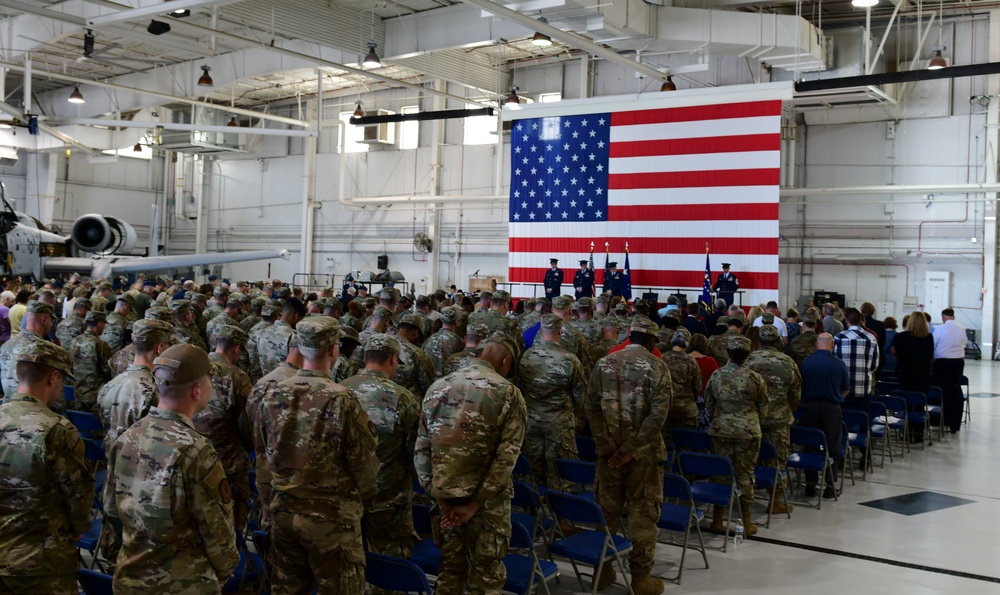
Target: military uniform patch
226,490
214,482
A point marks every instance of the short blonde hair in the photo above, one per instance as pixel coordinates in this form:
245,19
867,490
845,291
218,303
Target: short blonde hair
916,325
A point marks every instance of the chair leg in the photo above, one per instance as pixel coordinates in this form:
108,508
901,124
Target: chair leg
701,541
626,578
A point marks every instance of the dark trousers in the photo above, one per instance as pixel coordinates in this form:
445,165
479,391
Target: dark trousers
948,376
828,417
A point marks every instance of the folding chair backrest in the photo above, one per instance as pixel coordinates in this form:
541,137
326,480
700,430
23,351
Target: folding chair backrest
522,467
768,452
911,397
261,542
93,450
877,409
84,422
857,421
892,404
580,472
800,436
586,448
935,395
520,538
575,509
69,393
417,488
676,486
686,439
706,465
886,388
422,519
524,497
843,439
395,574
95,583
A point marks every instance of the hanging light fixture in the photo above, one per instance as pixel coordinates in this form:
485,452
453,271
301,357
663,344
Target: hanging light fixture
513,99
359,112
137,148
938,61
76,96
233,122
205,80
668,85
540,39
864,3
372,60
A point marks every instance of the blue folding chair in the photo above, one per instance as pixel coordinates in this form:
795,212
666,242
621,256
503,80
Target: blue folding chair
967,406
708,466
95,583
395,574
249,570
89,542
691,440
896,420
935,410
88,424
522,472
879,431
680,517
886,388
769,473
812,456
425,553
586,448
581,473
916,414
69,393
846,454
857,430
594,547
525,572
527,511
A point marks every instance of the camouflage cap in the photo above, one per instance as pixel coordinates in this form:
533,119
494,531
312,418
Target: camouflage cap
638,302
551,322
602,299
105,285
318,332
236,298
409,318
586,302
767,317
422,300
160,313
621,308
370,302
769,333
232,334
383,342
641,324
682,332
82,302
47,354
36,307
180,365
477,329
198,298
283,293
349,334
501,295
220,291
386,294
257,303
127,298
94,317
449,314
809,318
507,342
382,313
272,308
674,313
562,302
334,303
152,331
486,295
738,342
406,301
181,307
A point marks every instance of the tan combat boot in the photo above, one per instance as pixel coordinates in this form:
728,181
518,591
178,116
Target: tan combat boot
718,520
749,529
643,584
781,508
607,578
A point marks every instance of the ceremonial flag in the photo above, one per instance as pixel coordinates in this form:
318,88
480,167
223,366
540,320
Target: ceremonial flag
626,278
706,289
666,178
607,261
592,256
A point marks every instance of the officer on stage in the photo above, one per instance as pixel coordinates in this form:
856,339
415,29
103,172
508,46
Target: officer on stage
613,280
583,281
553,280
727,285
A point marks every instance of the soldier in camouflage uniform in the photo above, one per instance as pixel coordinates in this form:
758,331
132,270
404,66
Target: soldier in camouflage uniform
496,318
320,447
415,372
169,489
736,398
532,314
554,385
804,344
220,297
227,317
91,362
377,323
426,324
186,327
586,324
73,325
101,298
38,325
251,319
627,400
686,383
46,486
472,425
609,338
784,391
272,343
718,345
268,313
474,335
117,322
572,339
350,318
444,343
345,367
395,411
123,358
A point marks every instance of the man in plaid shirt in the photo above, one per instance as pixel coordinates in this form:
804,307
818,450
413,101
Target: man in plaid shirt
858,348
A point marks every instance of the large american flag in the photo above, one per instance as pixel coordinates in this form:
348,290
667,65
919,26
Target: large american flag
665,180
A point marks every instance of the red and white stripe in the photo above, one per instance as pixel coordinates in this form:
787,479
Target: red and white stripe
678,178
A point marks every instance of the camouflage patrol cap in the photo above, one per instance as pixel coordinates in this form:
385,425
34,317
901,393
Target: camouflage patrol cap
386,294
422,300
722,321
334,303
767,317
181,307
47,354
382,313
551,322
82,302
94,317
406,301
257,303
181,364
105,285
349,334
37,307
562,302
236,298
586,302
477,329
768,333
232,334
674,313
501,295
318,332
809,318
383,342
641,324
507,342
152,331
602,299
272,308
283,293
486,295
621,309
370,302
639,302
738,342
409,318
682,332
160,313
449,314
127,298
220,291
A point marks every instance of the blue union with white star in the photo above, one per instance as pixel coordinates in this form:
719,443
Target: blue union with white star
559,169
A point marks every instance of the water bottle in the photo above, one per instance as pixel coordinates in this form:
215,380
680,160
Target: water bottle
738,535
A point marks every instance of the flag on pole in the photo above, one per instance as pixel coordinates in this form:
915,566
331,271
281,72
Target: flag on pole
626,278
607,260
592,257
706,289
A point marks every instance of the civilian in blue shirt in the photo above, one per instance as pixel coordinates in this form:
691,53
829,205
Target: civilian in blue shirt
825,383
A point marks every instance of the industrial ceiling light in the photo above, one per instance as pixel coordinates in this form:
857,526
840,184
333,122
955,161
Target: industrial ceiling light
513,99
206,79
864,3
359,112
372,60
76,96
233,122
668,85
938,61
158,28
137,148
540,39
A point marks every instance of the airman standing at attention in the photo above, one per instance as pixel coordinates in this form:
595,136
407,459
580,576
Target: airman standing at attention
345,366
583,281
475,334
117,322
186,327
220,297
553,280
272,344
586,324
571,338
686,383
91,362
415,372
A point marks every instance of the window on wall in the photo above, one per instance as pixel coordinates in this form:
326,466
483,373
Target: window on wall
352,135
549,97
480,130
409,132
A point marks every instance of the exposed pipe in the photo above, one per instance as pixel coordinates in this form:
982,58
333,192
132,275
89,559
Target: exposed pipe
158,9
177,126
898,77
893,189
309,203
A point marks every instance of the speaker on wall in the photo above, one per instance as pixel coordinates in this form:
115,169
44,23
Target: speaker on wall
383,261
